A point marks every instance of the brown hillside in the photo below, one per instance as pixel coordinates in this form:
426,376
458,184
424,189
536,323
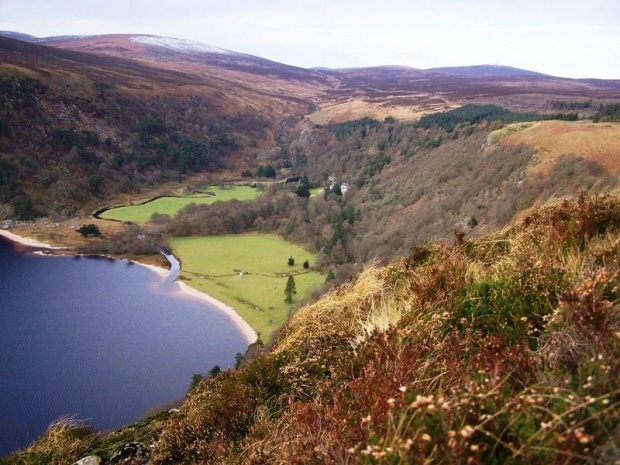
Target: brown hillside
599,143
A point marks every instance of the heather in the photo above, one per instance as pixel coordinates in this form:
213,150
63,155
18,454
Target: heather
502,349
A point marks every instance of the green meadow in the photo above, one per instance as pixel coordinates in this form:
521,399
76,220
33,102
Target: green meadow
171,205
213,265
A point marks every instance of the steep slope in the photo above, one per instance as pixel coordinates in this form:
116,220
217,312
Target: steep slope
75,125
408,183
504,349
198,58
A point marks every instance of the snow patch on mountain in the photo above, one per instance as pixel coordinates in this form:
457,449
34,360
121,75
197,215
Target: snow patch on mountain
47,40
179,45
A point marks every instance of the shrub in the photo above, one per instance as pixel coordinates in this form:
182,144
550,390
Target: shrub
89,230
23,208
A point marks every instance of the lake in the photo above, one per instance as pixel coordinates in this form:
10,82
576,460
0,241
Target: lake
104,340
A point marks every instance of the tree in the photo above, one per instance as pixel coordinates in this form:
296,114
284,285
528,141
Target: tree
266,171
291,261
330,276
196,378
213,372
302,191
95,181
87,230
306,265
238,360
23,209
290,290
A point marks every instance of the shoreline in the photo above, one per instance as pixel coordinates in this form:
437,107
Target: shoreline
246,330
160,270
27,241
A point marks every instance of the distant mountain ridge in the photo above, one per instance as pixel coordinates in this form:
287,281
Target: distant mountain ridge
159,45
343,94
18,36
486,70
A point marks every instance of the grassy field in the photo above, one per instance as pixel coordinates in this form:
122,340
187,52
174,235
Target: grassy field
212,265
171,205
315,191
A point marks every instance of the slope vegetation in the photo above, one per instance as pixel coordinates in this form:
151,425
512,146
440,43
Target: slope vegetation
598,143
411,181
76,127
503,349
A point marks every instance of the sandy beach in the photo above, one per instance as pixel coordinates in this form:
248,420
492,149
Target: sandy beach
246,329
160,270
26,240
249,333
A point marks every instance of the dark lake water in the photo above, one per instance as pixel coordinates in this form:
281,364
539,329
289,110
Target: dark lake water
101,339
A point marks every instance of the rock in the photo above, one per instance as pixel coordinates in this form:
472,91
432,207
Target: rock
465,227
133,452
90,460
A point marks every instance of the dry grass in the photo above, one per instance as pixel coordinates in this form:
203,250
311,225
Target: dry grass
599,143
357,109
65,441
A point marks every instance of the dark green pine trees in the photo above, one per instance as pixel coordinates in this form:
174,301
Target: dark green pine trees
290,290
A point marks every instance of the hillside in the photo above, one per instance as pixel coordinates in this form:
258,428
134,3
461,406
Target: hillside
503,349
409,183
76,128
486,70
259,74
408,93
402,92
131,111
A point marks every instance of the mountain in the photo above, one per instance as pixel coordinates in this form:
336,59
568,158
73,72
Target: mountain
146,109
408,93
486,70
18,36
95,125
403,92
183,55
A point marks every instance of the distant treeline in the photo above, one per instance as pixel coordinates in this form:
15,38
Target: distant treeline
606,112
610,112
575,105
347,128
474,114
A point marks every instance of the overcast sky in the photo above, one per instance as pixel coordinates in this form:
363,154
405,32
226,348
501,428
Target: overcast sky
572,38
